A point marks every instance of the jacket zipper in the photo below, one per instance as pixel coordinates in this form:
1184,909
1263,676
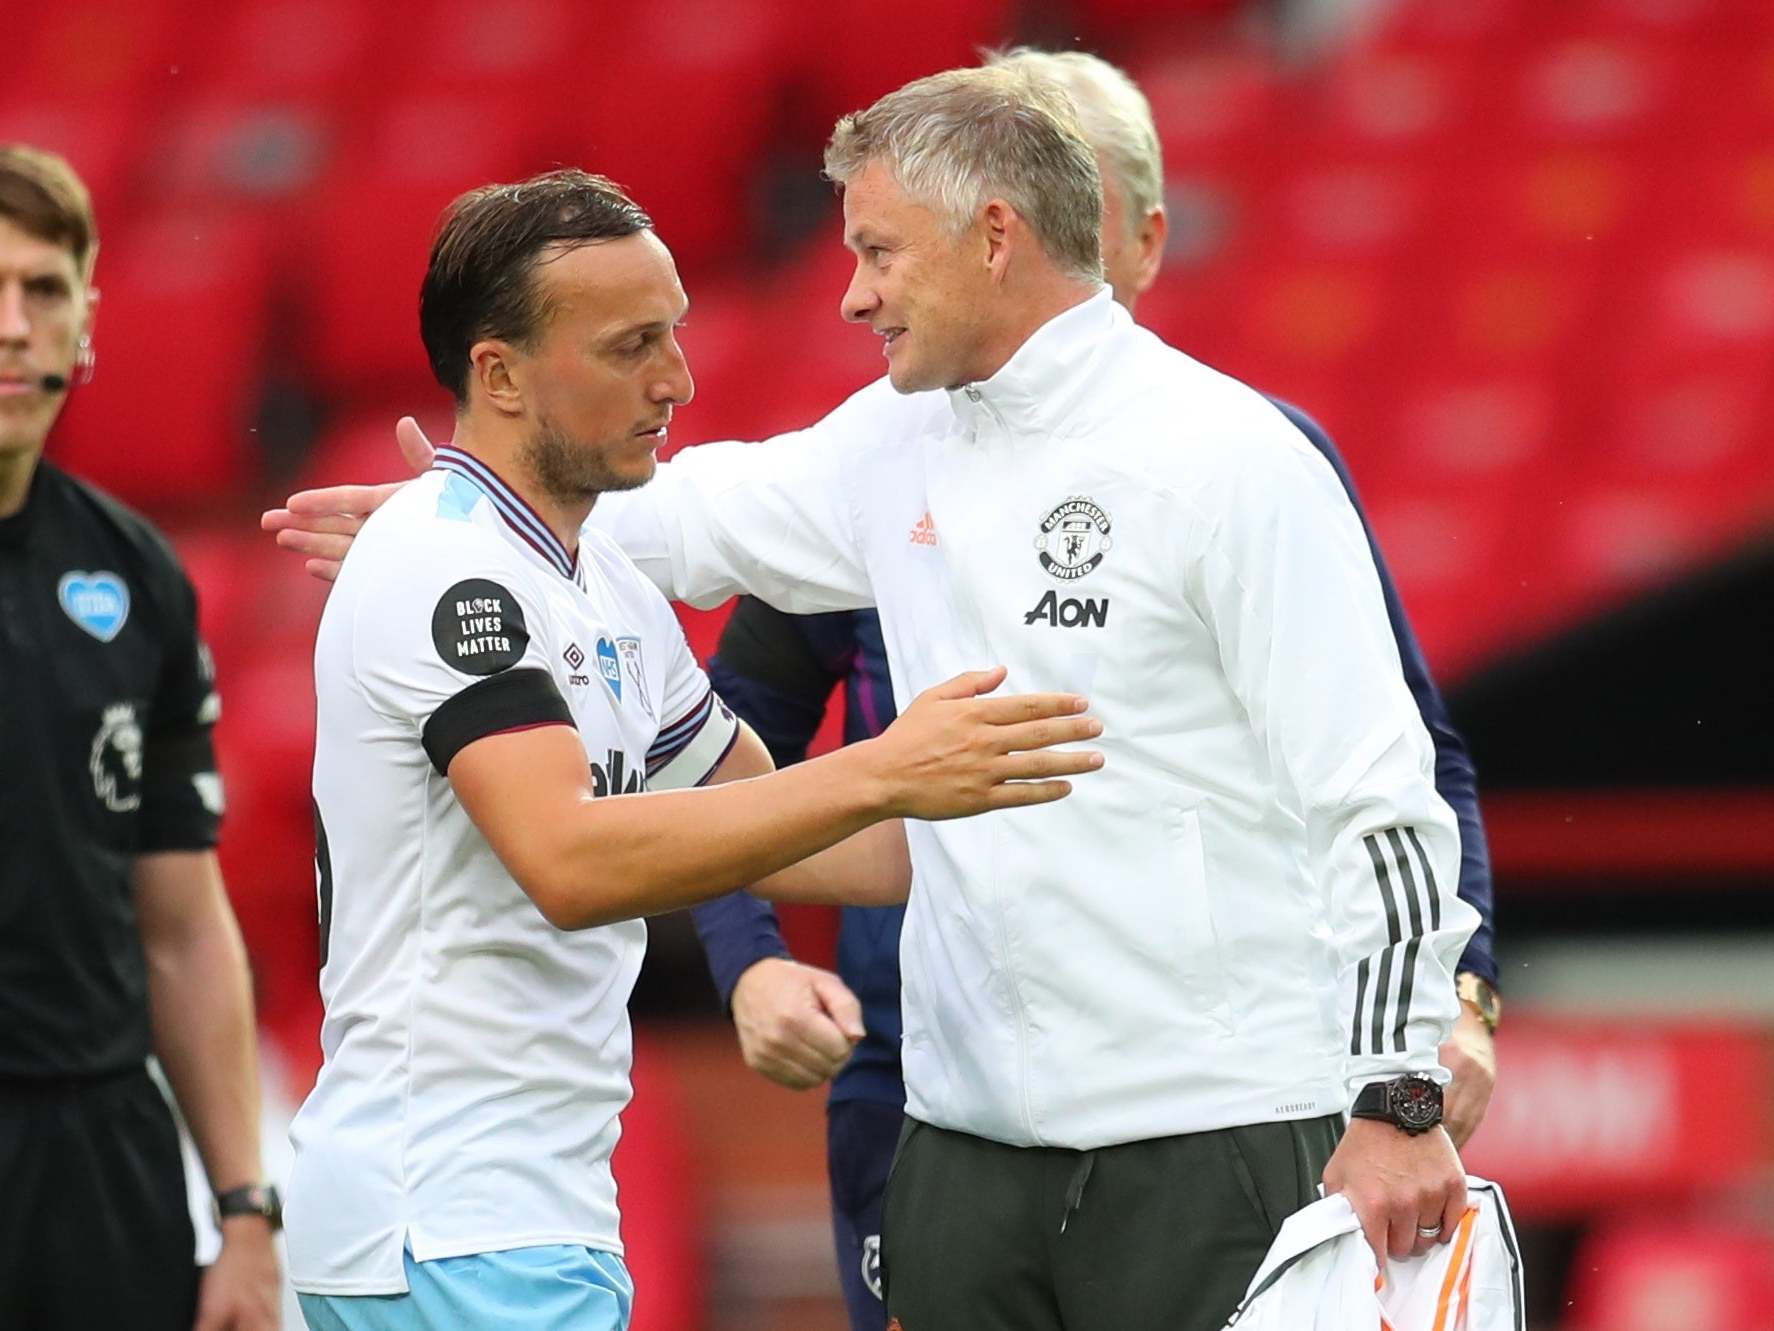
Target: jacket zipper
990,414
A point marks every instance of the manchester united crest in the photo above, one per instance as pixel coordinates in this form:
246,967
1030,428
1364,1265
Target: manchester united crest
1074,538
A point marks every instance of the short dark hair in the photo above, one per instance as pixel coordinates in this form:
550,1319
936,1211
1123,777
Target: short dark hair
481,281
41,194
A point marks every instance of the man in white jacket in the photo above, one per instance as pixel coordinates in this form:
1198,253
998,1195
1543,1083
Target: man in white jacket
1132,1021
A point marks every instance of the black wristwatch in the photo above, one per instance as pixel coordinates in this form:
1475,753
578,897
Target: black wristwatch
1411,1103
258,1199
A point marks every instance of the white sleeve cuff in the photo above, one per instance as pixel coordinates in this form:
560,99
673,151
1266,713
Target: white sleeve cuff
690,748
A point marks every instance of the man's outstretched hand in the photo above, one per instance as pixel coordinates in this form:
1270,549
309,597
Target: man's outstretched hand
321,524
956,751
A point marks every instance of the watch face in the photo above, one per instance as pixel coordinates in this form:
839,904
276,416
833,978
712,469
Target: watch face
1416,1103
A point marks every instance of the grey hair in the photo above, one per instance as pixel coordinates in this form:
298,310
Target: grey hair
956,140
1114,114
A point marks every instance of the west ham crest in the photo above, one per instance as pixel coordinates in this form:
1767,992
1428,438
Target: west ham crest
629,649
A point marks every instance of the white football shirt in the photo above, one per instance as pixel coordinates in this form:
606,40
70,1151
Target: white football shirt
476,1057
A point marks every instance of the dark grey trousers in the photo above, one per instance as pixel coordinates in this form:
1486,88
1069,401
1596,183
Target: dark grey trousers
1161,1235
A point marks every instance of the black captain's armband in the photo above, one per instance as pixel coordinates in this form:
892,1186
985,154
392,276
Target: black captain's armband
478,628
514,700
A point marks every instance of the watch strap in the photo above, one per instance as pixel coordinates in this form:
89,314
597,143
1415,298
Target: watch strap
1372,1101
258,1199
1411,1103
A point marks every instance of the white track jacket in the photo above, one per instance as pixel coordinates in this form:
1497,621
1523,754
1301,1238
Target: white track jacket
1250,910
1319,1275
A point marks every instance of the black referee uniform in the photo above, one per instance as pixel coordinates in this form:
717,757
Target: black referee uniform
106,706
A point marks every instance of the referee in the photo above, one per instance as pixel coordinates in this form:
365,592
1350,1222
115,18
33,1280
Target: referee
116,938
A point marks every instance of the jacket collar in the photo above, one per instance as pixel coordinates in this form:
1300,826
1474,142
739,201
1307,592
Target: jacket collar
1040,384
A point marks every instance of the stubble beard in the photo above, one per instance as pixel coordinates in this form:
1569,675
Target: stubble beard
570,471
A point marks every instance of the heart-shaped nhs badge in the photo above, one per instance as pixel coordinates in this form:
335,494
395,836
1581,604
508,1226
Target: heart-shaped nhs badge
98,602
608,666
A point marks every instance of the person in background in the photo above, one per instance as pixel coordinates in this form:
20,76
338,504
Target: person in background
800,1025
116,937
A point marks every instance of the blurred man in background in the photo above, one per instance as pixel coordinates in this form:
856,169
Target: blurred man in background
116,936
1050,1043
797,1024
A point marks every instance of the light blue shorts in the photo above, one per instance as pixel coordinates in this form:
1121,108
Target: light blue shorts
560,1288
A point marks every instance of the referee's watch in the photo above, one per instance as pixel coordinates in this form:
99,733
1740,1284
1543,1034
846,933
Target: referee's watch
258,1199
1411,1103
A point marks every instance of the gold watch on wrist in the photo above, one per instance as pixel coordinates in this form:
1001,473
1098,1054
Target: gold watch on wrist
1481,996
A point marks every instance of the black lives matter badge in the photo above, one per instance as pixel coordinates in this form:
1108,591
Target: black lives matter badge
478,628
1073,539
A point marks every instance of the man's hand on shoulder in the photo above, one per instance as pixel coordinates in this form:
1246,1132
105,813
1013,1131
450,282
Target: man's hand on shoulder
797,1024
1471,1056
321,524
1399,1185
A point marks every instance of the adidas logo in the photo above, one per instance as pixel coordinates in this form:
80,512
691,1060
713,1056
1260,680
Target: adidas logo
924,532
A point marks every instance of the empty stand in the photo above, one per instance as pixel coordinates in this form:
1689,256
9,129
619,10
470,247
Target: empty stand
181,336
1656,1275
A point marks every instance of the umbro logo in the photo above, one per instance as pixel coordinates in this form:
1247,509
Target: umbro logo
574,656
924,530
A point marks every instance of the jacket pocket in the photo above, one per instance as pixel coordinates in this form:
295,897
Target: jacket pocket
1202,965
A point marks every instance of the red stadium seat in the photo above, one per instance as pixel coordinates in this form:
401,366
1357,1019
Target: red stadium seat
276,49
1586,90
1451,27
533,51
846,56
1454,569
181,340
1395,102
369,232
360,447
227,565
718,66
453,45
774,356
1682,427
237,152
1313,315
264,745
1658,1275
99,139
1567,204
1212,108
1331,209
656,1170
1691,310
1472,434
99,51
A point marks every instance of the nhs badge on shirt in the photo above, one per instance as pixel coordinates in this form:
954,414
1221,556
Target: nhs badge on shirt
97,602
609,667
